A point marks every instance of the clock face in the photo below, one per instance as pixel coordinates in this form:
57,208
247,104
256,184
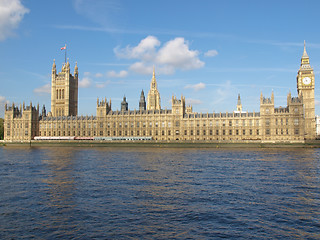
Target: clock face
306,81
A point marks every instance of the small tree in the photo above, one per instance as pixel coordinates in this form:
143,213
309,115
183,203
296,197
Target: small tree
1,129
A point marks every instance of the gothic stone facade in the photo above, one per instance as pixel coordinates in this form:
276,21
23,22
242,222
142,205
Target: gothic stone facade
293,123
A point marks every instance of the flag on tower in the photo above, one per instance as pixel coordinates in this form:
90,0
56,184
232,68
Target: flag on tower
65,52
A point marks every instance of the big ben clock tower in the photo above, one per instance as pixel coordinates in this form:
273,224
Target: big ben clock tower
305,88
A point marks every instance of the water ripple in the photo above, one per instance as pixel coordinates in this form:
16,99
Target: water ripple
127,193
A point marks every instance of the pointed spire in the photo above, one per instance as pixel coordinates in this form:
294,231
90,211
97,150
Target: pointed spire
124,104
44,112
142,102
305,55
54,64
153,95
153,81
239,99
239,105
142,98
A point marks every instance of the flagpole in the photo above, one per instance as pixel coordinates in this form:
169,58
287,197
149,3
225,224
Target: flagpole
65,54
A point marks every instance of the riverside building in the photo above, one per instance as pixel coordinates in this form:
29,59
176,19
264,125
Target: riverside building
294,123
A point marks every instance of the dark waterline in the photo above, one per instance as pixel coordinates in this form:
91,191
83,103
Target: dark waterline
127,193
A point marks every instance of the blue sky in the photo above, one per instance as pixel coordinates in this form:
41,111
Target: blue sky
209,51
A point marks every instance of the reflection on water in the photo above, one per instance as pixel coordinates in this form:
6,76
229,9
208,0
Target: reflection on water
156,193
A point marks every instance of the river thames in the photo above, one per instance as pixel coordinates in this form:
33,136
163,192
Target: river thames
159,193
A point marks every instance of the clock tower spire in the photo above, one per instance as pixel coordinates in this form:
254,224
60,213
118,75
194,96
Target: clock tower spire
305,88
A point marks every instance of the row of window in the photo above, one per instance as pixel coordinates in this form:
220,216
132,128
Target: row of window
282,121
282,131
59,112
120,125
18,125
169,132
150,133
267,111
17,133
60,94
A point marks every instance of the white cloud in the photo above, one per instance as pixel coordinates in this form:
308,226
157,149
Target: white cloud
103,12
147,68
141,68
196,87
98,75
11,14
191,101
175,54
120,74
102,84
146,50
85,82
211,53
223,92
45,89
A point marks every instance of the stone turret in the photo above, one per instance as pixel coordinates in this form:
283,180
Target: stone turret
142,102
76,73
178,105
124,104
103,107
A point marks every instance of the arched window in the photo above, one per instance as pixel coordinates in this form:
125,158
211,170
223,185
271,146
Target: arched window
62,93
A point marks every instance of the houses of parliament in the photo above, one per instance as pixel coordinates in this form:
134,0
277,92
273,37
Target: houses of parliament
294,123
